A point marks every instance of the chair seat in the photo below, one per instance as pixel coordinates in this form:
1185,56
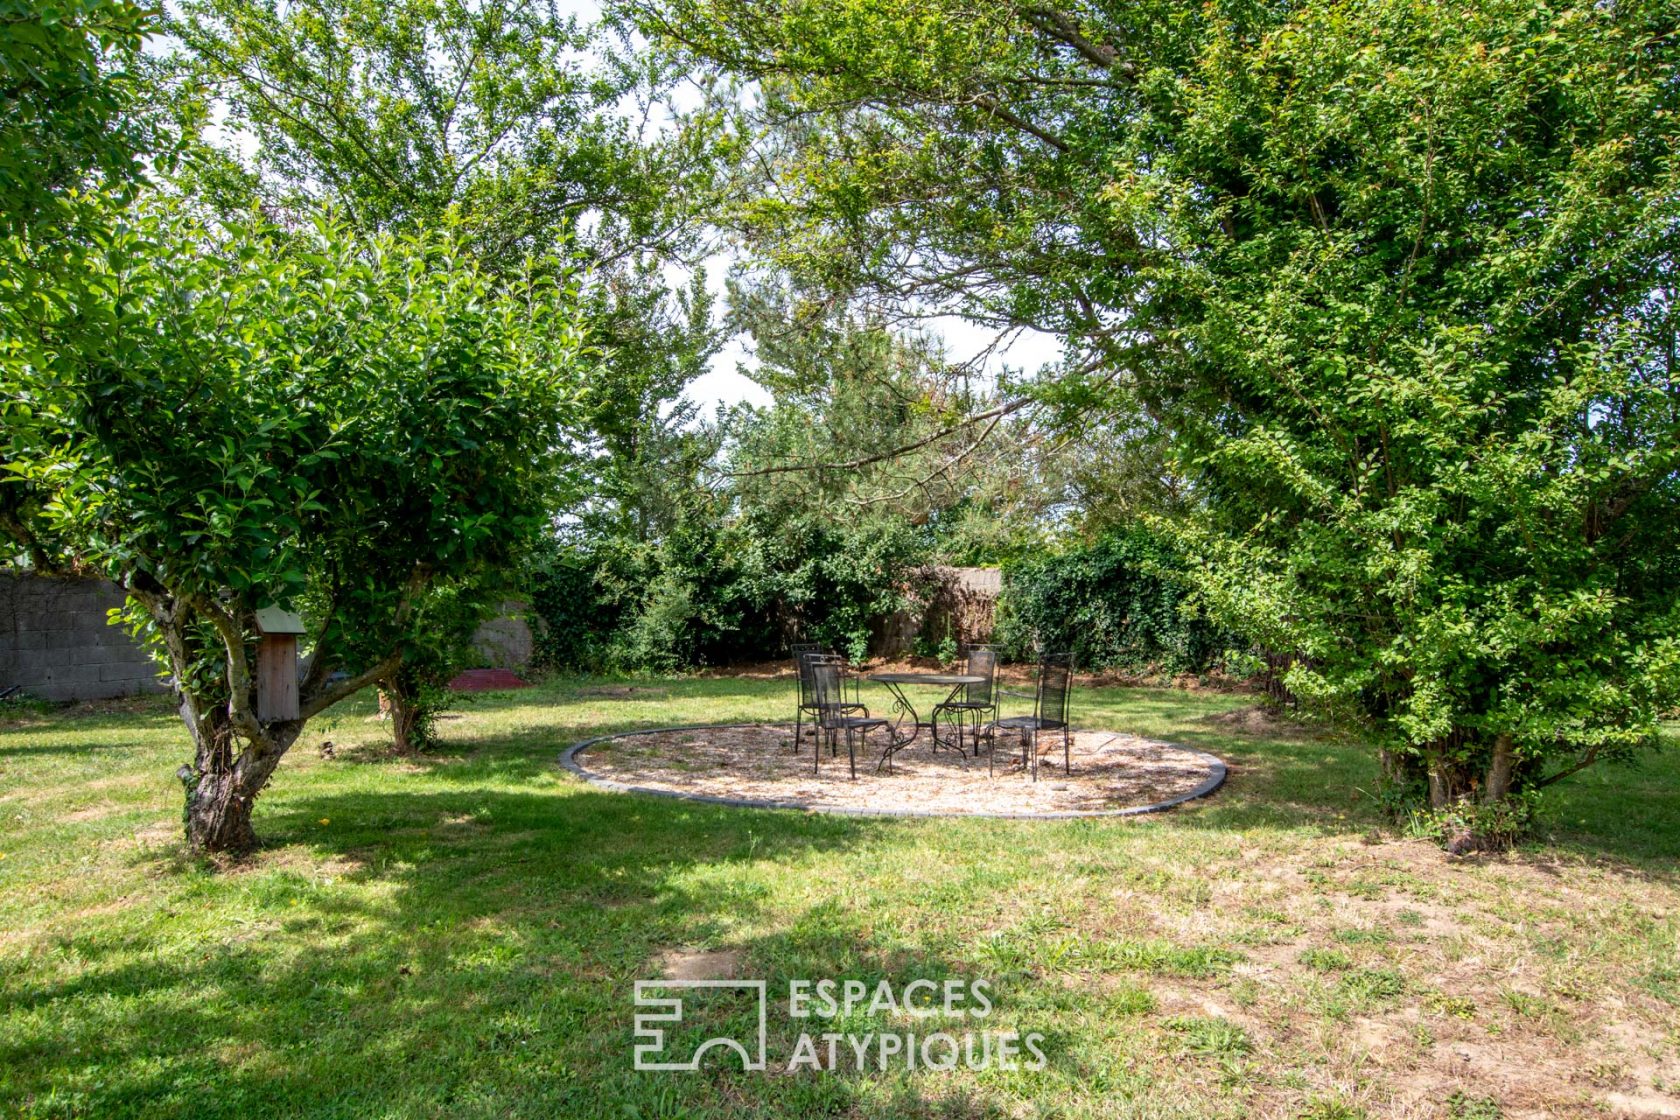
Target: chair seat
840,707
1029,723
855,723
969,705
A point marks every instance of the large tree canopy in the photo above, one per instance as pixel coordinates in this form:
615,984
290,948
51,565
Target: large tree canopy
68,139
502,111
1398,279
529,134
309,420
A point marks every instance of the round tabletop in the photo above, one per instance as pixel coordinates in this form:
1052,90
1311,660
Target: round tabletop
947,679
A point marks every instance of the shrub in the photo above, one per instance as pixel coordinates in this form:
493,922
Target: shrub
445,620
713,591
1466,826
574,616
1118,602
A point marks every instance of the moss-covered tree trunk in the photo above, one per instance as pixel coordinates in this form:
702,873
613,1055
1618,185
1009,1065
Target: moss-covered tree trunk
222,782
235,752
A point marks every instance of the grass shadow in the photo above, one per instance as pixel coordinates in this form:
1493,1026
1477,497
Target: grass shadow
491,940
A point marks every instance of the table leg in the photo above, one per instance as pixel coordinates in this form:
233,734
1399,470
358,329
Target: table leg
950,698
896,739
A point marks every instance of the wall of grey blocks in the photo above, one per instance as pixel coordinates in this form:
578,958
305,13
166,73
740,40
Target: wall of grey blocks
56,643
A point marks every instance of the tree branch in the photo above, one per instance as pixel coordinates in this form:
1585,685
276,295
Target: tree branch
1585,761
904,449
315,672
1061,27
327,697
995,108
244,720
943,470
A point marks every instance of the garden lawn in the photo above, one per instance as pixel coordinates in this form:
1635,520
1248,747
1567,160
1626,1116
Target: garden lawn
457,935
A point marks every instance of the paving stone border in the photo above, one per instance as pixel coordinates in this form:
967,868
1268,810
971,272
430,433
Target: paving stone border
569,760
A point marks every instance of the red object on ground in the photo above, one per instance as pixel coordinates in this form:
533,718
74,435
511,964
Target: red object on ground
487,680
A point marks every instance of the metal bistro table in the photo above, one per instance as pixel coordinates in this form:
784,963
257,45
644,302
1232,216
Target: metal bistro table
908,725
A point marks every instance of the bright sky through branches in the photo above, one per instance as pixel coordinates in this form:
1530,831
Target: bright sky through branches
725,383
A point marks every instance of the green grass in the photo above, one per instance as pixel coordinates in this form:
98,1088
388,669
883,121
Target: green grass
457,935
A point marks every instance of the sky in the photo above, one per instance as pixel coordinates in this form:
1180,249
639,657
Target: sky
724,383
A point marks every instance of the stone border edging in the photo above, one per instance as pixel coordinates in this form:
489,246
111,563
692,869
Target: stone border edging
568,760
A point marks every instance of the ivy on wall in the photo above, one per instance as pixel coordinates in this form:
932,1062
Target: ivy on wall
1116,603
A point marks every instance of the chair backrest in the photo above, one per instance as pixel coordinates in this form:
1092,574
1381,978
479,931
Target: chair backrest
828,681
982,662
1055,681
800,651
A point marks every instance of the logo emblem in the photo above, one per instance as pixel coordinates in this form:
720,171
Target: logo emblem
668,1009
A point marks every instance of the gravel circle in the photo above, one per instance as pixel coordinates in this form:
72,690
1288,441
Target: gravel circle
1115,774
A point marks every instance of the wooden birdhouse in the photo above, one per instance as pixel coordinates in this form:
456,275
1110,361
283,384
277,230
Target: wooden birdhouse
277,663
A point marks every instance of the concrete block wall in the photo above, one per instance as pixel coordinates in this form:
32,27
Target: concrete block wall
56,643
506,641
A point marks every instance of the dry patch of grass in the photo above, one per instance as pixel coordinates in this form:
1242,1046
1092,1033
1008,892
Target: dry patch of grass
700,964
1401,978
1257,720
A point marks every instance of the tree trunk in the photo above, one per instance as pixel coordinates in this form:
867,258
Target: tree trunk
406,713
221,786
218,813
405,718
1440,789
1451,768
1393,765
235,752
1502,769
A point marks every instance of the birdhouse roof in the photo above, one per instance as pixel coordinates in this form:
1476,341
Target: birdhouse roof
273,620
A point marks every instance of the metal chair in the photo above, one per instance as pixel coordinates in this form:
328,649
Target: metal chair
1050,713
806,696
834,713
979,700
807,692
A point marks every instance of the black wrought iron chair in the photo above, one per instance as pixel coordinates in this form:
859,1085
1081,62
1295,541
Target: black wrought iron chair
1050,713
980,701
807,692
834,713
806,698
